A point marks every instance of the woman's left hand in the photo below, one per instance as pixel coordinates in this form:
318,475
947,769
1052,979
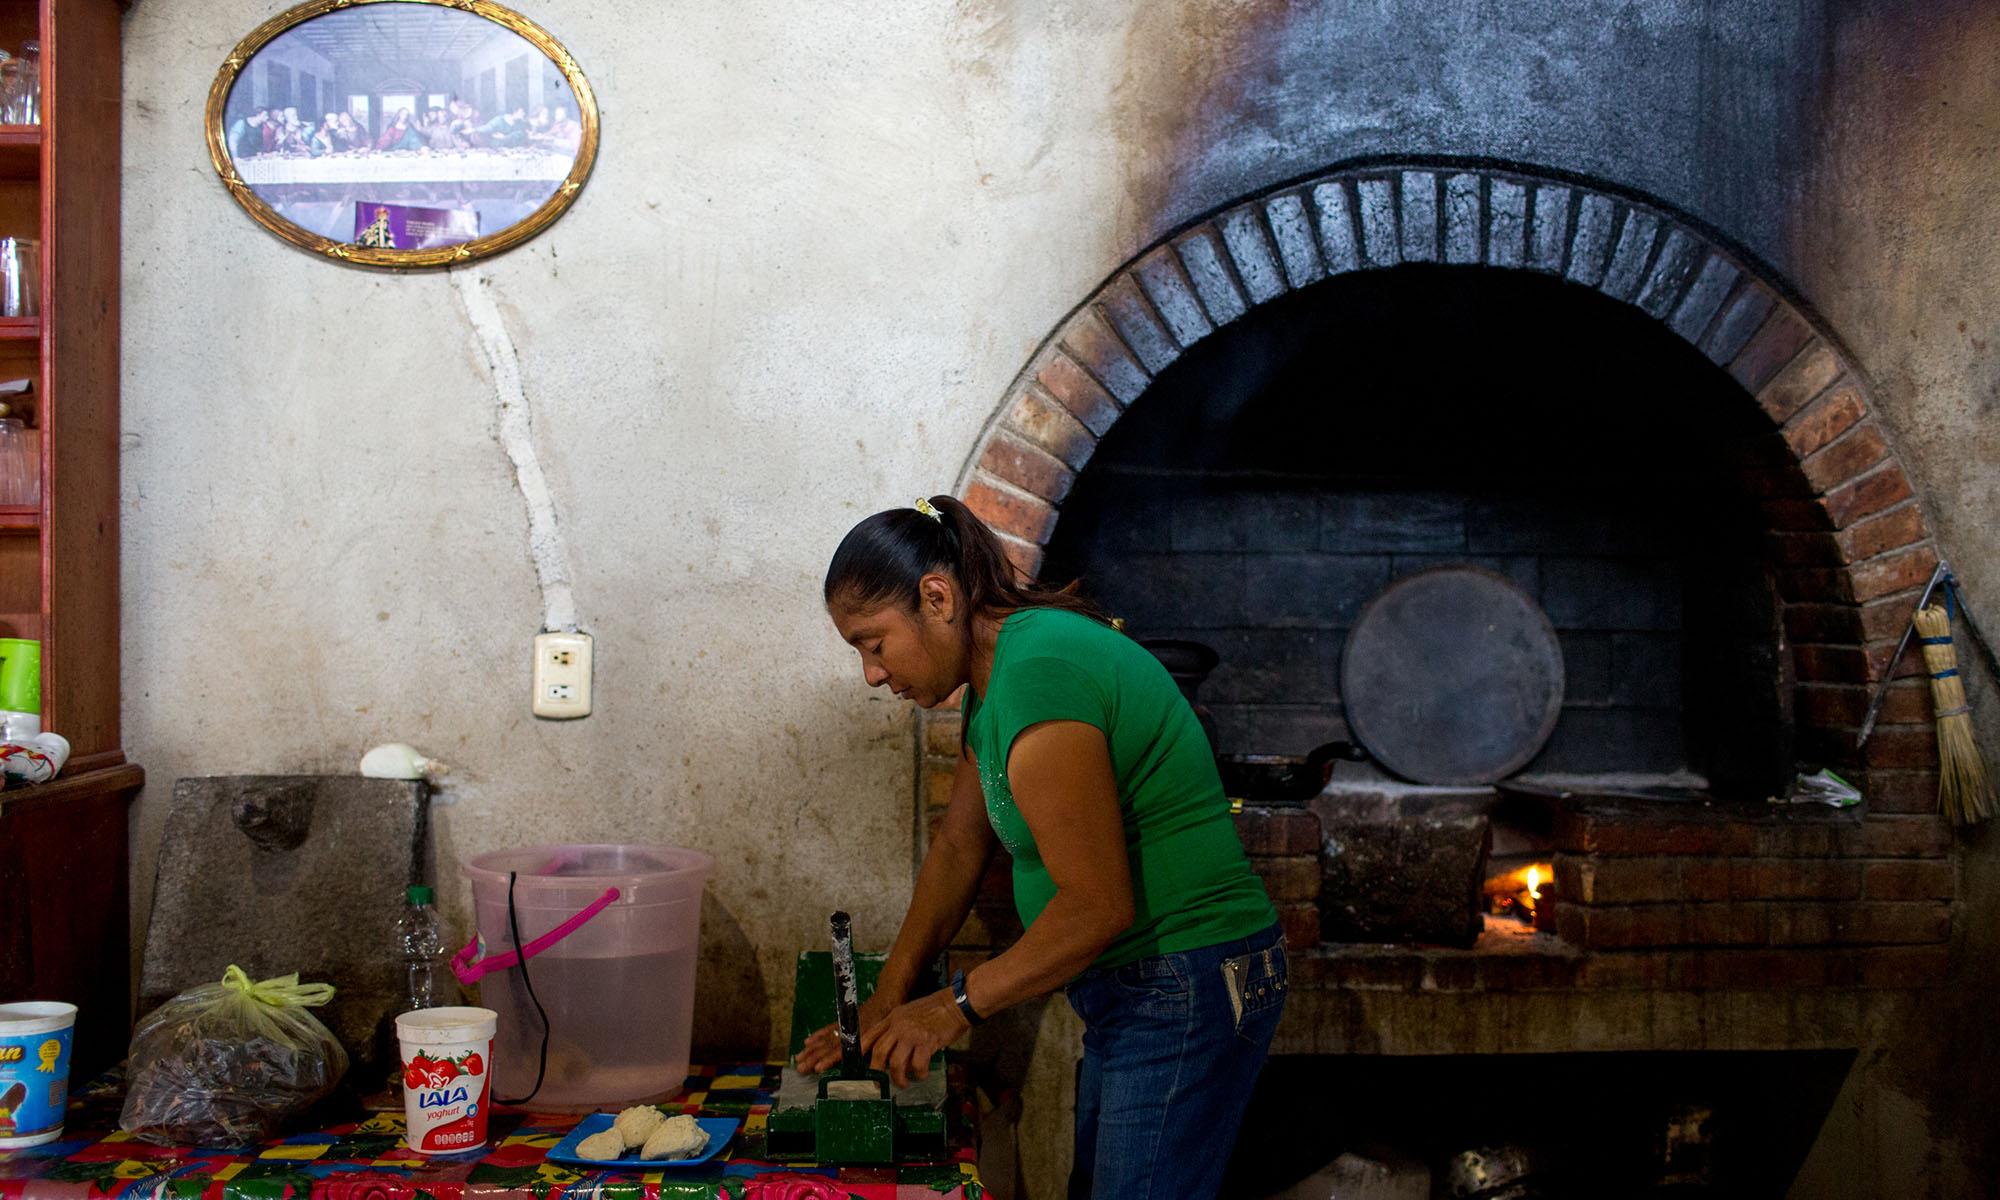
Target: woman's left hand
903,1044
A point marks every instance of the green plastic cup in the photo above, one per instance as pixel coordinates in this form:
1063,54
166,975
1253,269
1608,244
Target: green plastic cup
20,675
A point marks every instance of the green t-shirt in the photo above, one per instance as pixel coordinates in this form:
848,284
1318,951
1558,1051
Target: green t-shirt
1191,884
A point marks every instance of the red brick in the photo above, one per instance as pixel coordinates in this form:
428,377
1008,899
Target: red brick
1796,835
1893,746
1894,572
1884,619
1771,879
1042,421
1821,549
1860,923
1360,968
1589,879
1906,701
1761,969
1806,376
1824,419
1853,454
1814,585
937,790
1768,484
1832,664
1738,924
941,734
1775,343
1024,557
1028,468
1300,923
1278,831
1909,879
1794,514
1023,517
1890,791
1288,877
1764,448
1451,973
1902,966
1624,969
1897,837
1908,747
1821,621
1615,833
1871,493
1650,925
1891,530
1625,926
1099,349
1074,389
1524,972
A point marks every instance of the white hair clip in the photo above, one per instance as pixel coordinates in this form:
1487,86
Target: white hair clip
925,507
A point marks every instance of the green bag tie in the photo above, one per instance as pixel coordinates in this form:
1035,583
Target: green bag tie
279,991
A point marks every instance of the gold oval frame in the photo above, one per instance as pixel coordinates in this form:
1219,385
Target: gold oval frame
376,256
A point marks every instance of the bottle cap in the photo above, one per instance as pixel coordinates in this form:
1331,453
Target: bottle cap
419,894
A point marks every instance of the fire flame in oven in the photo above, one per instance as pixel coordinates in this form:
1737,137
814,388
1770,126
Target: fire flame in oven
1517,893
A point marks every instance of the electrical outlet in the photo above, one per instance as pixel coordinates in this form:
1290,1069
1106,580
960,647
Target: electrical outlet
562,675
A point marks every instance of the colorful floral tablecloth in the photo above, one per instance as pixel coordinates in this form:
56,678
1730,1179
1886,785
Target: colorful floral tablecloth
367,1160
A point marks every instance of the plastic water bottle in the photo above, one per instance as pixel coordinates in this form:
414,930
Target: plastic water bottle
420,940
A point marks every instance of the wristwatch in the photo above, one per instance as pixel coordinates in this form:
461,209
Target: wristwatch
958,996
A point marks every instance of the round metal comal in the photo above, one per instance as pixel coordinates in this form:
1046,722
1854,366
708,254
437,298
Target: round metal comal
1452,676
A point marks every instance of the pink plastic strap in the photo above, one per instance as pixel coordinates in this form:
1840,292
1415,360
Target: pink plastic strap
469,972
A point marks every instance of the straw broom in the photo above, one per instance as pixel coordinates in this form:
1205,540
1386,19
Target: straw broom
1964,792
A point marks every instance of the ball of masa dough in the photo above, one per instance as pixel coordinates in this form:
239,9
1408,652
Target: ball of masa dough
607,1144
677,1137
637,1123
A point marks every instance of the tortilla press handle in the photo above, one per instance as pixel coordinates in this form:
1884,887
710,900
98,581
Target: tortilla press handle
846,999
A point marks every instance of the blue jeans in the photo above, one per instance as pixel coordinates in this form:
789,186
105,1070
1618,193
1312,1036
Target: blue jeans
1168,1063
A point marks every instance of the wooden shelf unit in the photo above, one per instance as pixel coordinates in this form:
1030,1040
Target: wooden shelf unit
62,844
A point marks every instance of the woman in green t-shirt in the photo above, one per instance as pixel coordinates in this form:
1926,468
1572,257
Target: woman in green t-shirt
1082,758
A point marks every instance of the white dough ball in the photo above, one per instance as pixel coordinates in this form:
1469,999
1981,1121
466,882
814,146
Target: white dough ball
637,1123
607,1144
677,1137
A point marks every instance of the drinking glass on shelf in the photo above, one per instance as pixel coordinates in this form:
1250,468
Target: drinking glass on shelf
23,91
20,277
20,462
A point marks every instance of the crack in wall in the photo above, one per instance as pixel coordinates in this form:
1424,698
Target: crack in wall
515,432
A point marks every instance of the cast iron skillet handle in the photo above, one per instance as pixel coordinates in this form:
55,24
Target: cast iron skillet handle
1319,764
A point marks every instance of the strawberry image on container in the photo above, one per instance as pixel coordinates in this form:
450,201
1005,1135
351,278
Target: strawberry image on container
474,1064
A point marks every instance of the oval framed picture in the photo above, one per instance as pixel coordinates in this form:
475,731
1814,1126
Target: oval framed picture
402,133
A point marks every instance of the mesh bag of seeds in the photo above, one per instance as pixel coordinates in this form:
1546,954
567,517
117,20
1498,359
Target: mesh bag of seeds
228,1064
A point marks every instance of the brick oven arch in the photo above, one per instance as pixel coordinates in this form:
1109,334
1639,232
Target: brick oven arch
1847,538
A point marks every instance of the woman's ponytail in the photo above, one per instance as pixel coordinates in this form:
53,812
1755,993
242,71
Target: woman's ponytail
882,559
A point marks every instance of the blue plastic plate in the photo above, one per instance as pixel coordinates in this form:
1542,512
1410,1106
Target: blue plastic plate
719,1130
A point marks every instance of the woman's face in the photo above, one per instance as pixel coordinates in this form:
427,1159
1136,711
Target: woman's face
919,655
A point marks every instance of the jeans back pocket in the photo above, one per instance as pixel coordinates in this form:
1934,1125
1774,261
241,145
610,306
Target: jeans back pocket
1256,982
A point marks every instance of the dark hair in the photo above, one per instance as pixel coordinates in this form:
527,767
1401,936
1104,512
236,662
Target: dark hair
882,559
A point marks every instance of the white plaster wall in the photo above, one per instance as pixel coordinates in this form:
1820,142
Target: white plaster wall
819,242
814,250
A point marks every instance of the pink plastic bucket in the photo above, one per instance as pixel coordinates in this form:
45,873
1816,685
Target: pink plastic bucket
618,985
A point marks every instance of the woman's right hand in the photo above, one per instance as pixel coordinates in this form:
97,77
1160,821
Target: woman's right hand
822,1047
